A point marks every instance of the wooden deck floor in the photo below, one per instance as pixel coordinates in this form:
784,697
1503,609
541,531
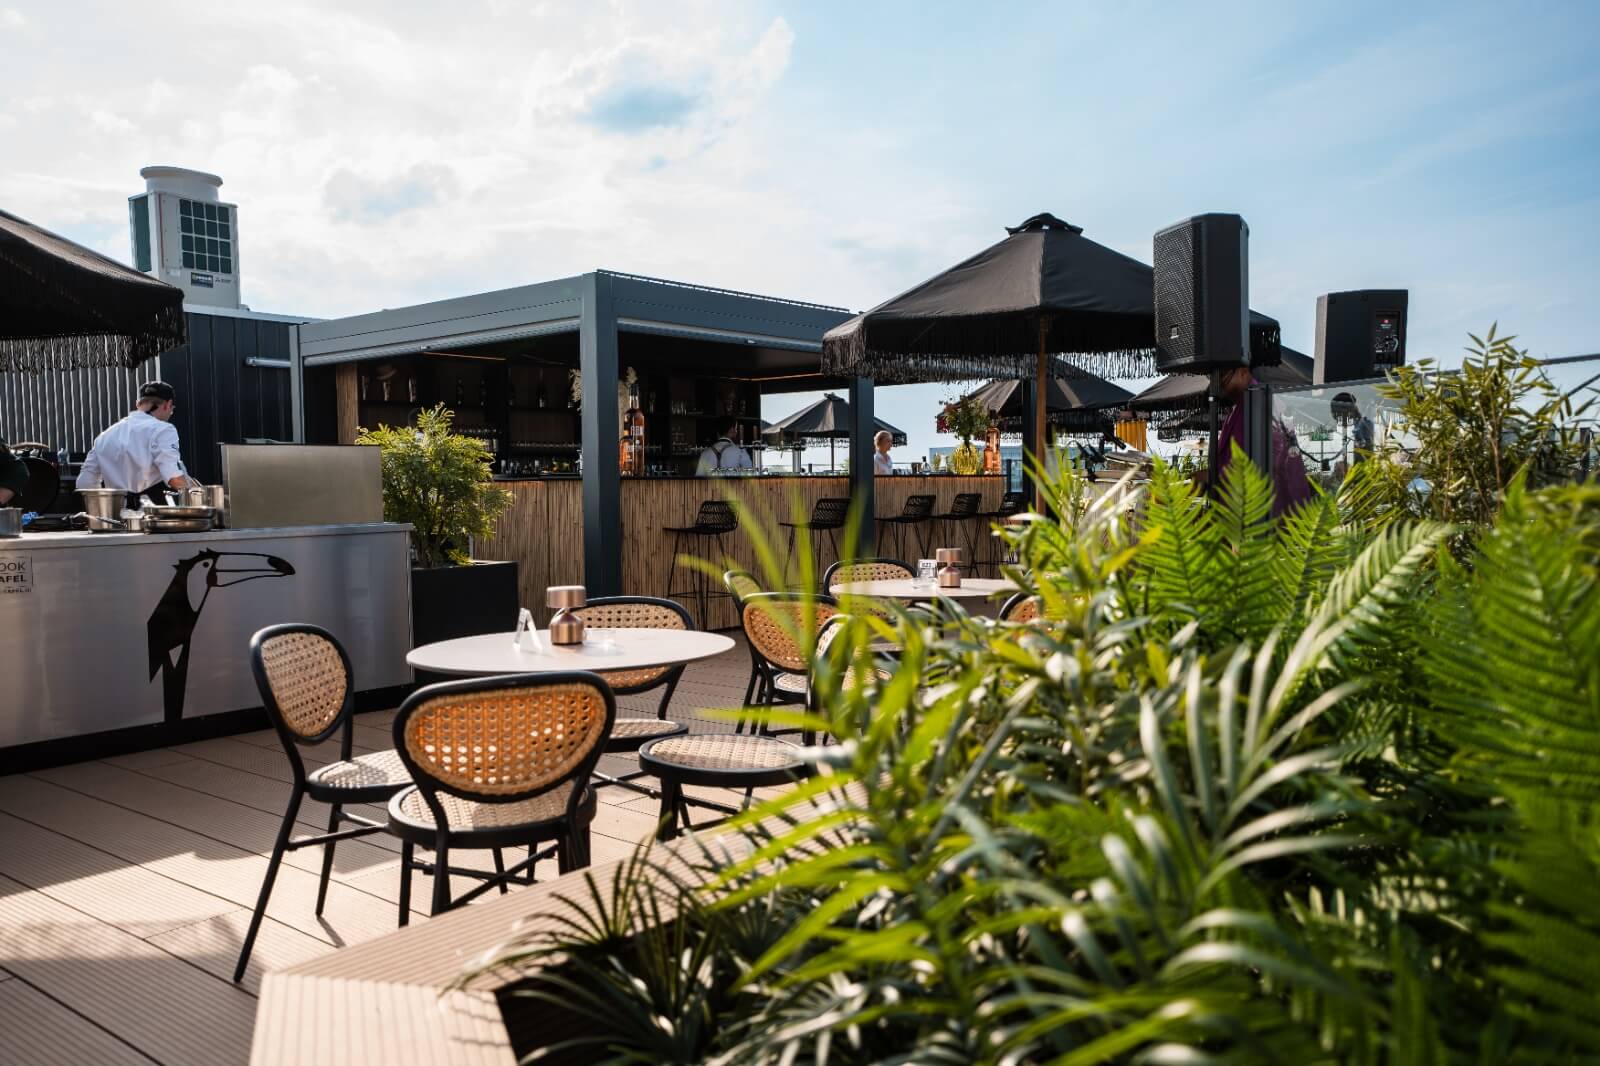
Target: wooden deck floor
126,886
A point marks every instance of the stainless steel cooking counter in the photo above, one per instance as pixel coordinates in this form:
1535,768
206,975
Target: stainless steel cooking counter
108,631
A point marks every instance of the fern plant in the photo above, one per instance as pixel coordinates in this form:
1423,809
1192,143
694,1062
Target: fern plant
1248,791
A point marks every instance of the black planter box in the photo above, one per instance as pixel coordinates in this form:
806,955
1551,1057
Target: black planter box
461,601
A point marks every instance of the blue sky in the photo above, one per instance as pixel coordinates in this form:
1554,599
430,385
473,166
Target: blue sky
383,154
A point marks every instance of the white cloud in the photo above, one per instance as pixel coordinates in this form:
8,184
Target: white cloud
384,152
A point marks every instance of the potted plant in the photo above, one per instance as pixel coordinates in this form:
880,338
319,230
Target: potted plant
439,482
966,419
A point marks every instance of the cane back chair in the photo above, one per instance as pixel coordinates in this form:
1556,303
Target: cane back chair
780,648
498,762
306,686
630,731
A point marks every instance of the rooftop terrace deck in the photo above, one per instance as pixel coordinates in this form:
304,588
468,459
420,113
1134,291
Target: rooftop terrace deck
126,885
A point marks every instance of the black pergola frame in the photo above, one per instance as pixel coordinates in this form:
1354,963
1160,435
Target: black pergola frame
776,341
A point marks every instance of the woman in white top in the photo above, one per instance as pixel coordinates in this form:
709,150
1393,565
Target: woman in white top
881,463
140,453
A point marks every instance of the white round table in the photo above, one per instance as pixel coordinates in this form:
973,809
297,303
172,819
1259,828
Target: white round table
602,651
904,589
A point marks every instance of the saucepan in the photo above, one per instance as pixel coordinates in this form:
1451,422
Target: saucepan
208,496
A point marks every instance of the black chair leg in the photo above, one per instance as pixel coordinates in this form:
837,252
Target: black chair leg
668,827
405,883
441,876
327,858
788,559
500,868
278,848
672,566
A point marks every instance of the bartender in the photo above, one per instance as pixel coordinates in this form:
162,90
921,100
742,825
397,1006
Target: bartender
724,455
13,476
139,454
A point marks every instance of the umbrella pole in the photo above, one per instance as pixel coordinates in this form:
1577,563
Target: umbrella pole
1038,414
1211,440
832,466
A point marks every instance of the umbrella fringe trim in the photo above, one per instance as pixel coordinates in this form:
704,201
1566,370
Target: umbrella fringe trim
82,351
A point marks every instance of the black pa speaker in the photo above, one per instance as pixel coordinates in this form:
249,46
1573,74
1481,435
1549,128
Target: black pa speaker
1203,295
1360,334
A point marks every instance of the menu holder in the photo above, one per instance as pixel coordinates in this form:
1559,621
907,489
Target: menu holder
526,637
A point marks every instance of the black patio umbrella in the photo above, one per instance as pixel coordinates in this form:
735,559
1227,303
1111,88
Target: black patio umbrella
1078,403
65,307
1179,396
827,419
1045,291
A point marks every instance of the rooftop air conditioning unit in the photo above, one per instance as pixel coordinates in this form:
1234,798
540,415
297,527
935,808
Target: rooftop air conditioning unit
186,236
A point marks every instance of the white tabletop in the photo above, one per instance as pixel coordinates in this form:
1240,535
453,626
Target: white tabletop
602,650
904,589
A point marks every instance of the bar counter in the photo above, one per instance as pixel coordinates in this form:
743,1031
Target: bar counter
108,633
542,529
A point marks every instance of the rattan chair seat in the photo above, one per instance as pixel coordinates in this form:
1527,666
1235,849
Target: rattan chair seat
790,683
624,681
636,728
725,751
377,769
464,815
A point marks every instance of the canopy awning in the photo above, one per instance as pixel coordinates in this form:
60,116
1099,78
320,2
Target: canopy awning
66,307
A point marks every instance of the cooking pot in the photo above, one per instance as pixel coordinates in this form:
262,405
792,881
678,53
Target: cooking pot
10,521
211,496
104,508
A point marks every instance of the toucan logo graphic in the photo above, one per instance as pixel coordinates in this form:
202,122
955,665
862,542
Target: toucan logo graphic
171,625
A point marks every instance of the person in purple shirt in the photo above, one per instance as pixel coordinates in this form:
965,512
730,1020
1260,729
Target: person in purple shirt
1291,487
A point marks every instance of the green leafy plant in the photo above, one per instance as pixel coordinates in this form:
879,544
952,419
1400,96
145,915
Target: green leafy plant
1247,791
438,481
1470,433
966,419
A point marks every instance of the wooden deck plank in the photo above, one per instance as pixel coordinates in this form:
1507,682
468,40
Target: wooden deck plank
173,1012
38,1031
213,945
224,870
99,884
235,824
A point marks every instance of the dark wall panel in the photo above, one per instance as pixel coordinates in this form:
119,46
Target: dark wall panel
221,400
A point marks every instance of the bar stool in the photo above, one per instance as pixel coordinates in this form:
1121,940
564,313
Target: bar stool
964,515
827,516
1012,503
715,518
918,513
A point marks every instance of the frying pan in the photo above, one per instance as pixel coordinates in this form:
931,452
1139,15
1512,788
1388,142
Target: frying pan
44,482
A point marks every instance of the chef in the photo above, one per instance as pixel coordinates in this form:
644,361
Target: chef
139,454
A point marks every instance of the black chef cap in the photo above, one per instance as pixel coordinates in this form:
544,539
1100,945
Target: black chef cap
156,390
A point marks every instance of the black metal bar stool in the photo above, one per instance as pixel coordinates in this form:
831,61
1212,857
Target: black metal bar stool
962,521
828,516
715,519
917,514
1012,503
